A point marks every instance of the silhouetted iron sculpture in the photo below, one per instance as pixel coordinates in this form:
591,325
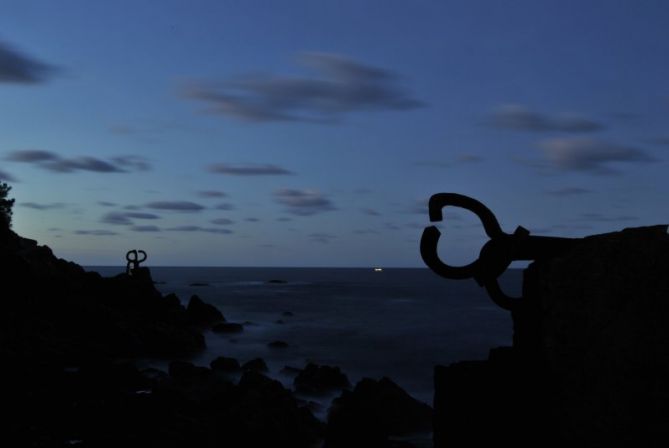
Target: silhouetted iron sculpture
496,255
133,260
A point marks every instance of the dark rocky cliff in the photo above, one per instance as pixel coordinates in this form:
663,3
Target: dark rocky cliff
53,310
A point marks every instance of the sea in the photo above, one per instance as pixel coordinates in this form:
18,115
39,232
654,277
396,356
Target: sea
397,323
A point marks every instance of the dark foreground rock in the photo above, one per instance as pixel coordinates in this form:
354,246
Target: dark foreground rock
372,412
107,405
256,365
590,361
224,364
316,380
228,328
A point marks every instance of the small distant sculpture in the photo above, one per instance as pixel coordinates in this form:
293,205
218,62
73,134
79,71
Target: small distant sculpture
133,257
496,255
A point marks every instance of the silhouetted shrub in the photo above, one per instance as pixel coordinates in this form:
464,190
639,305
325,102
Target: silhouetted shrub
5,205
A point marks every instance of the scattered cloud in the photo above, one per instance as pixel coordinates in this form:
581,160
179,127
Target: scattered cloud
19,68
80,164
225,206
125,218
5,176
341,86
303,202
51,161
520,118
192,228
248,170
371,212
31,155
36,206
284,219
116,218
132,163
222,221
178,206
184,228
141,215
323,238
569,191
252,219
211,194
95,232
585,154
145,228
107,204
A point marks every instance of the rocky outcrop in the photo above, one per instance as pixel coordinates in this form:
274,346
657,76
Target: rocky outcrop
316,380
200,313
255,365
224,364
55,310
372,412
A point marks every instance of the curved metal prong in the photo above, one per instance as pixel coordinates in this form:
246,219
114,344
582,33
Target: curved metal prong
133,253
144,258
428,251
440,200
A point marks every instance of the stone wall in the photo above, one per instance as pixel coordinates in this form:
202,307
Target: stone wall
590,361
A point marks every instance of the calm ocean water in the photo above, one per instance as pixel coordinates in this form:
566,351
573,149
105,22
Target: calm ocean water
397,323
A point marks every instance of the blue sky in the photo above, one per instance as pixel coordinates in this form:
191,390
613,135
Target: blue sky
312,133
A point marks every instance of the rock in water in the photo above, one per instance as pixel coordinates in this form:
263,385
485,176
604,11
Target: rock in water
200,313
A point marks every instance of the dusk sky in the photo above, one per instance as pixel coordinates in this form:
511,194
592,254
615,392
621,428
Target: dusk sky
312,133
